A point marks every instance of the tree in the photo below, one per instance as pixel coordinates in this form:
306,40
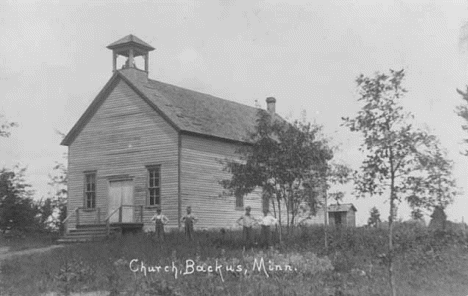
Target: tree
17,209
462,111
374,219
58,195
288,161
435,186
438,218
394,149
417,215
5,127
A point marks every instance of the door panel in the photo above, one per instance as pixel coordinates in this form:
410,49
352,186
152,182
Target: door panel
121,193
127,200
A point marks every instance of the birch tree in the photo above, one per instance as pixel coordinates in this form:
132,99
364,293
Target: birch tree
396,153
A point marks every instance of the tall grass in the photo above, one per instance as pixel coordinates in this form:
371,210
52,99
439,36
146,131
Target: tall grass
28,241
428,263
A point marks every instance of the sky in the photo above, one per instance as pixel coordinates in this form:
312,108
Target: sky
54,61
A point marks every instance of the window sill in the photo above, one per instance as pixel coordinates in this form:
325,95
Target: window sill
239,208
152,207
88,209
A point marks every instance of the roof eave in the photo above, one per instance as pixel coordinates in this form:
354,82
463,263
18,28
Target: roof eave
208,136
70,137
148,48
148,101
73,133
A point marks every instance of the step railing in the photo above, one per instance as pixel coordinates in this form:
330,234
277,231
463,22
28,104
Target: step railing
107,220
65,221
119,210
76,212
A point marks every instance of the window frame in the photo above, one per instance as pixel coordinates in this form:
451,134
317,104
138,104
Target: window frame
239,206
149,169
92,192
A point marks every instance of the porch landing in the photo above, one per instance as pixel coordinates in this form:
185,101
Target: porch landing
99,232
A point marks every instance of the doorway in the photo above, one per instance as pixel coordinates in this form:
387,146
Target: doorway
121,193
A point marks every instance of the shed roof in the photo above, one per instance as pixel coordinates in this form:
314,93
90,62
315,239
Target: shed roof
341,208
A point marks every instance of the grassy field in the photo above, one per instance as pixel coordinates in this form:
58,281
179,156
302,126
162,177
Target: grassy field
31,241
428,263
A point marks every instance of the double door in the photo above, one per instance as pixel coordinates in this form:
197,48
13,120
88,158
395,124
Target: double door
121,194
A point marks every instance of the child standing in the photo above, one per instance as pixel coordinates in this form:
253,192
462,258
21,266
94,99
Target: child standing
247,221
160,221
189,220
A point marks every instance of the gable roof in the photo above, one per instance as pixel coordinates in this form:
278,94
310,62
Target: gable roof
186,110
341,208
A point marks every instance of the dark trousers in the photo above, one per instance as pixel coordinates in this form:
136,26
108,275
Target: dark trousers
266,236
248,236
160,231
189,231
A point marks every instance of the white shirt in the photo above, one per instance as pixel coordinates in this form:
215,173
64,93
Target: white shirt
246,221
268,220
161,217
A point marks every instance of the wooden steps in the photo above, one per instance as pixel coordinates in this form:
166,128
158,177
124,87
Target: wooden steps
87,233
98,232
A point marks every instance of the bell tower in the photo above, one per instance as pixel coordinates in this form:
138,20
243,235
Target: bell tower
130,47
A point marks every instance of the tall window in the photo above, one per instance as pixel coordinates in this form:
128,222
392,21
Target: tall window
90,190
239,201
265,203
154,186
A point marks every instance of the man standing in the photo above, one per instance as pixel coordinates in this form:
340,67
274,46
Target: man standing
160,221
266,222
189,220
247,221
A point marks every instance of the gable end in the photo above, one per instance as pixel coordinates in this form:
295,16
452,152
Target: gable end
100,98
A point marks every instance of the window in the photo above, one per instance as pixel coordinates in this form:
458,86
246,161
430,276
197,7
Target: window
90,190
154,186
265,203
239,201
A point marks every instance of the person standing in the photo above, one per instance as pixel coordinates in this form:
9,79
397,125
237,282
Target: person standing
189,220
247,221
160,220
266,222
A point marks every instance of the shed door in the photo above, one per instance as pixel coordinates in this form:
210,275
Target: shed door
121,193
338,220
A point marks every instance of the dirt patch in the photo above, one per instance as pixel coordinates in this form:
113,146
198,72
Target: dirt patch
4,254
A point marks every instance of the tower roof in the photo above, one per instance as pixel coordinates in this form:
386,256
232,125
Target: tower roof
130,40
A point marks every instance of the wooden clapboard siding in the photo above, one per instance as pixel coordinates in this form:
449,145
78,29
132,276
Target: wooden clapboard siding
123,136
319,217
201,172
351,218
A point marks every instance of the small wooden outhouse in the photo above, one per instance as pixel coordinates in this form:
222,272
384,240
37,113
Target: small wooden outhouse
342,215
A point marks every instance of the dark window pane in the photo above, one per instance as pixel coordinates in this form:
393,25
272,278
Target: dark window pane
153,186
239,201
90,190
